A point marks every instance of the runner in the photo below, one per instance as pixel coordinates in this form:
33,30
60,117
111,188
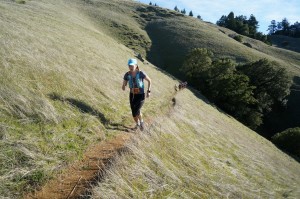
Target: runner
135,77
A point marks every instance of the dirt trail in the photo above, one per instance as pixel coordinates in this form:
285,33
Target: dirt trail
77,178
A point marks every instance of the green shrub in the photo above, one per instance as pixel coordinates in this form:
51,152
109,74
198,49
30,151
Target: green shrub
248,45
288,140
285,43
21,1
238,38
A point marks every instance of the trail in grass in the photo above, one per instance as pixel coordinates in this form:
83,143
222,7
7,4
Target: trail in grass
78,178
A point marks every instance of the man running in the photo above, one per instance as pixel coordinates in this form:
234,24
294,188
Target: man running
135,77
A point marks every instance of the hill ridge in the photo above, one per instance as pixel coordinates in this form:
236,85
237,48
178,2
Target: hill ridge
68,48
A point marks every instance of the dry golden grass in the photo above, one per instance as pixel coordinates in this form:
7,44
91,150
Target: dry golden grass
61,72
198,152
60,89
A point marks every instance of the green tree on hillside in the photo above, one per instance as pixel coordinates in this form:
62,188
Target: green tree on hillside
285,25
271,83
222,84
242,25
279,26
247,92
232,92
196,65
222,21
199,17
191,14
288,140
284,28
253,25
231,22
183,11
176,9
272,27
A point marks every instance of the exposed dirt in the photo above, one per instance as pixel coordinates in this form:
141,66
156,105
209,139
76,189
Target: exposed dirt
79,177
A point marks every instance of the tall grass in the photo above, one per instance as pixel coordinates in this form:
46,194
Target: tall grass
61,70
203,154
60,90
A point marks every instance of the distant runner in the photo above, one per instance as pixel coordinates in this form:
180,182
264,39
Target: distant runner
135,77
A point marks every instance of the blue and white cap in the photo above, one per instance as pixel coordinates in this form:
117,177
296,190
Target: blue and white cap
132,62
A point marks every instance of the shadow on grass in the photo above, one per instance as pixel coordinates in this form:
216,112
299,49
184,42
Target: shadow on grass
85,108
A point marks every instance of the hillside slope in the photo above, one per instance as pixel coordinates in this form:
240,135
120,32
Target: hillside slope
61,74
60,89
286,42
165,37
197,151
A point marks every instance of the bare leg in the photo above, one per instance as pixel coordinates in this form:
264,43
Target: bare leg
141,122
136,119
140,117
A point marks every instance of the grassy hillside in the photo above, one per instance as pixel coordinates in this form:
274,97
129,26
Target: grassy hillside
198,152
172,35
285,42
62,64
60,89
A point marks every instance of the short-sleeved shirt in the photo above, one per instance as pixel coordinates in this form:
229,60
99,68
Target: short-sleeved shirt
142,76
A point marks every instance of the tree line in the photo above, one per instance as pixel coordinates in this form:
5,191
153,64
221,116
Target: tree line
284,28
183,11
247,91
244,26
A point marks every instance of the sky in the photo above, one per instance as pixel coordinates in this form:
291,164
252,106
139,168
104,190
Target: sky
211,10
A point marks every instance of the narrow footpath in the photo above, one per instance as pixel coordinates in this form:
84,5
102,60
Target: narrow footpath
78,178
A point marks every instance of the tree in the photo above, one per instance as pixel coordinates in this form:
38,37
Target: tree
271,83
191,14
241,18
221,84
295,29
284,28
199,17
150,3
244,29
222,21
288,140
253,25
242,25
176,9
231,23
272,27
279,26
196,64
183,11
285,25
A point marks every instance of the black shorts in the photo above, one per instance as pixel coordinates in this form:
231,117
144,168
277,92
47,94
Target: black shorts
136,103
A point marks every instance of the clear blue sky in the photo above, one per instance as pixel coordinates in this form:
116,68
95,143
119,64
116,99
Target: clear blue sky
264,10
